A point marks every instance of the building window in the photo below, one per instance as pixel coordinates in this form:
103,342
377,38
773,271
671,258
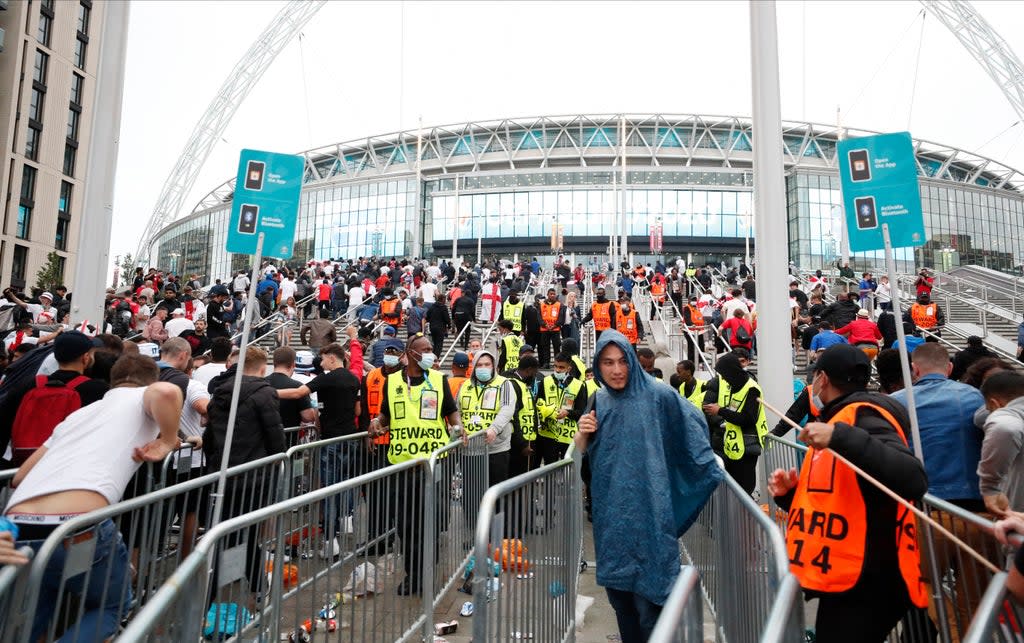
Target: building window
32,143
45,22
35,106
28,184
84,9
24,221
64,205
40,67
77,84
19,265
73,118
80,46
63,226
70,155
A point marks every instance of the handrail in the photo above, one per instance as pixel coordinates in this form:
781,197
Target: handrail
671,621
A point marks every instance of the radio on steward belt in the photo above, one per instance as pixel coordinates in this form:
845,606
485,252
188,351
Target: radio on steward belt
416,425
826,529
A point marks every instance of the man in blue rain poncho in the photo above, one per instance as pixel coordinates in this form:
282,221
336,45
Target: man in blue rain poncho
652,471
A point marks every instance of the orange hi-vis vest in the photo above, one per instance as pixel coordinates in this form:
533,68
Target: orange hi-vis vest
391,311
601,313
455,383
626,323
924,315
549,315
374,396
658,291
826,529
696,317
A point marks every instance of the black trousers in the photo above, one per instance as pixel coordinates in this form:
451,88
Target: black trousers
691,348
459,325
409,521
743,471
437,339
380,507
550,345
865,615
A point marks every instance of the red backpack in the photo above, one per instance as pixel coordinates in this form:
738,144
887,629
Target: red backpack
39,413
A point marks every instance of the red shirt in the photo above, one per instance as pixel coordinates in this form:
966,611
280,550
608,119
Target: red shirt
861,331
733,324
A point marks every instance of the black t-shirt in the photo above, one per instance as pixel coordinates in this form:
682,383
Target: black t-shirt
174,376
448,404
89,391
290,409
337,392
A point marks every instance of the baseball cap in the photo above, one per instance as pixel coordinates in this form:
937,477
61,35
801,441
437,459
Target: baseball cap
389,330
219,289
392,345
46,294
304,361
178,311
461,360
527,348
844,363
149,349
71,345
863,313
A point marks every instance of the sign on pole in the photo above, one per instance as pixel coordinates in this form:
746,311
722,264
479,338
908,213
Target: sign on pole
266,200
879,181
656,237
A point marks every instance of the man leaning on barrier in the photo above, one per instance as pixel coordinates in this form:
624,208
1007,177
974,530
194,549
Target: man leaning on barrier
84,466
850,545
657,473
415,406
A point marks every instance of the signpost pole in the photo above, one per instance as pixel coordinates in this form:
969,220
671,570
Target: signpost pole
250,306
890,265
455,226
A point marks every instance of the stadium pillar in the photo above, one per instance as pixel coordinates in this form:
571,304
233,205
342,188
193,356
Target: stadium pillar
774,347
93,251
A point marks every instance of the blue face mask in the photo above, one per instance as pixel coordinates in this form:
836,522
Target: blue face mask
391,361
561,377
483,374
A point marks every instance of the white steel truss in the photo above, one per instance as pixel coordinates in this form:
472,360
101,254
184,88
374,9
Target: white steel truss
246,73
988,48
581,141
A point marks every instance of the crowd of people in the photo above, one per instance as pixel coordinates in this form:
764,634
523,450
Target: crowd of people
165,358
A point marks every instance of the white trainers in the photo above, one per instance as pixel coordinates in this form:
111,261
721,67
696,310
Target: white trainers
330,549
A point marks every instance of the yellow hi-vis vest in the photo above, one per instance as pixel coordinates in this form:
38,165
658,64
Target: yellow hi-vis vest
592,387
734,447
527,415
560,398
479,405
513,344
697,397
513,313
416,425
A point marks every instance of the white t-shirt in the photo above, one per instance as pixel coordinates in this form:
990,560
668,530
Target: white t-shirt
355,297
178,325
26,338
191,420
287,289
207,372
42,314
92,449
428,291
241,283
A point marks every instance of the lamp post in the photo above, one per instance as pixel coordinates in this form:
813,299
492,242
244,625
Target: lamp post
746,238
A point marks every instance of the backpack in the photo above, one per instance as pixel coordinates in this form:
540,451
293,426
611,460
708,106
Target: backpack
742,336
40,411
121,319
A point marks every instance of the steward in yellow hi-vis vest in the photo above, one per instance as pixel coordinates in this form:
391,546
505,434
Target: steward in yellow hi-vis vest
512,310
737,420
417,427
563,399
851,545
696,396
524,456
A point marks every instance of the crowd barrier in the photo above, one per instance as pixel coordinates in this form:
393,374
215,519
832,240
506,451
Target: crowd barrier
682,616
744,568
341,552
527,556
962,591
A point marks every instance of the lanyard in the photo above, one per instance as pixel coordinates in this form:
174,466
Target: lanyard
408,388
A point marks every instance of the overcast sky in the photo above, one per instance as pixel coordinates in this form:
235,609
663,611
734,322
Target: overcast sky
368,68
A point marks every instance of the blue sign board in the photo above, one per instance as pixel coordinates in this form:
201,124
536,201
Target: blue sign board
879,181
266,200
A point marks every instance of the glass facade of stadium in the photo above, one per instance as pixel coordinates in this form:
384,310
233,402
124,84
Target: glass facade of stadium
507,183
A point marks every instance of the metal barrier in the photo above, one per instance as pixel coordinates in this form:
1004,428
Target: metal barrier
6,477
682,616
744,567
94,569
257,576
531,525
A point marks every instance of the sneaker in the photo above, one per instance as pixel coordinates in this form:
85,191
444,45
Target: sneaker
330,549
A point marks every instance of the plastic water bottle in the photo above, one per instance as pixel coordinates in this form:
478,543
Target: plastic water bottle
7,525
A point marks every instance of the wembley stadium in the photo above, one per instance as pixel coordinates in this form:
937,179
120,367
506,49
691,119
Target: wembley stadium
504,185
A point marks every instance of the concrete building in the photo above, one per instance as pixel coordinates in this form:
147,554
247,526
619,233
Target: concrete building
47,83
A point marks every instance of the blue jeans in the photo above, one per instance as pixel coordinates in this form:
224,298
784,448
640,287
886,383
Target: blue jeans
338,462
635,615
106,597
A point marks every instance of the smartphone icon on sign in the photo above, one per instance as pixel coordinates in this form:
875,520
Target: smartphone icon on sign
867,218
247,219
860,170
254,175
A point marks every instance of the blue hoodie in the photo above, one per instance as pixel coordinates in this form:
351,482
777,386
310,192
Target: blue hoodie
649,480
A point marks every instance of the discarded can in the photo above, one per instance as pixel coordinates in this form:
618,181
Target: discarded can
446,628
467,609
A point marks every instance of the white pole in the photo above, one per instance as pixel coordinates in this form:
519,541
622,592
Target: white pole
624,249
613,233
93,251
773,324
908,385
417,230
455,233
250,307
746,239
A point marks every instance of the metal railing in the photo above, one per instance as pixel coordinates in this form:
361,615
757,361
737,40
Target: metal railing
682,616
529,529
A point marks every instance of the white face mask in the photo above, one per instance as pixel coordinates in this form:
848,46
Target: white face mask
391,360
484,374
426,361
561,376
